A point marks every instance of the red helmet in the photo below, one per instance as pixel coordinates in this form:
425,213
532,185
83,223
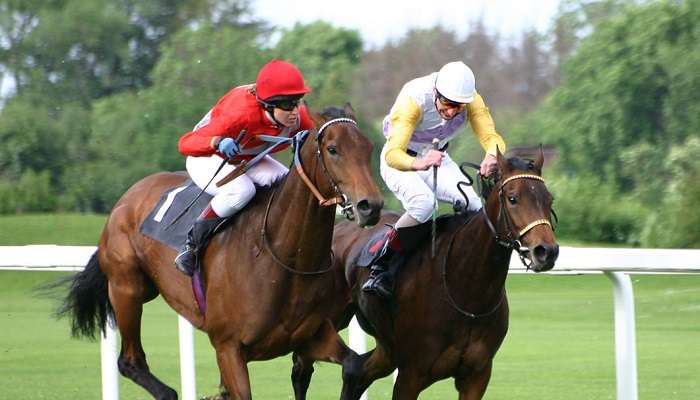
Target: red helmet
279,78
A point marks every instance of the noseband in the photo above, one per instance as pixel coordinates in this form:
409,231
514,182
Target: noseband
341,199
512,241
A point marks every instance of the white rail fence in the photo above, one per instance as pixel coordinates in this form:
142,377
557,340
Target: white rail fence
615,263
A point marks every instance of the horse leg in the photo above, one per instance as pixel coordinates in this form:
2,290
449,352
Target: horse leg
473,386
360,371
302,370
126,295
325,345
234,370
408,385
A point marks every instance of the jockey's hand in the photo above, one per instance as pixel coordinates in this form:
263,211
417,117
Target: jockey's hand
488,166
228,147
429,159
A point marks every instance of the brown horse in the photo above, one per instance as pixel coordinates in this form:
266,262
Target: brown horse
449,314
265,277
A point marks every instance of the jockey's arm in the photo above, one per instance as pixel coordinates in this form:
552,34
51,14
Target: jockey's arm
404,118
483,126
485,130
204,140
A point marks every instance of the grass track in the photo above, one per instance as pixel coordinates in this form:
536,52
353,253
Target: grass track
560,344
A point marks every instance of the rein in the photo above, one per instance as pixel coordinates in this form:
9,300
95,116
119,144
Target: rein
266,246
451,299
342,200
509,242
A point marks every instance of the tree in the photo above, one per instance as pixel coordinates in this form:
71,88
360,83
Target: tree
630,94
327,56
75,50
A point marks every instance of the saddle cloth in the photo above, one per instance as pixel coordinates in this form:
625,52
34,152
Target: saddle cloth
157,224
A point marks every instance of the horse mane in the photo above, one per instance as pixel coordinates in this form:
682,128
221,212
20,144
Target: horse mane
524,164
332,112
514,163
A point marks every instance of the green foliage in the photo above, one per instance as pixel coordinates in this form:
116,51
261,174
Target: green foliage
32,192
629,96
593,209
678,218
104,90
326,56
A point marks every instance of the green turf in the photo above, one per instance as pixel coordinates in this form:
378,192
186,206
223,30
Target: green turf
560,346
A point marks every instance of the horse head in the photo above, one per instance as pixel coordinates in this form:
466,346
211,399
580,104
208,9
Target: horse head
344,153
521,206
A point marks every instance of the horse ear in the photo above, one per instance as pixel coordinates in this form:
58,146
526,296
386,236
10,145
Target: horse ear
349,112
539,161
316,118
501,161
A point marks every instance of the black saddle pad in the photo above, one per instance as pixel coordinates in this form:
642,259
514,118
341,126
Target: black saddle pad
157,224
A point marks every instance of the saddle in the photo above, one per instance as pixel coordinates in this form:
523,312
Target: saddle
371,251
159,225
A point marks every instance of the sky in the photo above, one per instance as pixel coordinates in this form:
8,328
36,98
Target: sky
381,20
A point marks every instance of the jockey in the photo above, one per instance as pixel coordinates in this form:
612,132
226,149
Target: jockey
228,131
432,106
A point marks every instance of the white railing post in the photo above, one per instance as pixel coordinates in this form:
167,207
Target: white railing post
188,385
358,342
625,341
108,360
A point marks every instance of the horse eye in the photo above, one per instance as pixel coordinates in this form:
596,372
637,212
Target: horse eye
332,150
512,199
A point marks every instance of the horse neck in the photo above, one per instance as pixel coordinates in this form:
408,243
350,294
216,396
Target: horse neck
299,228
480,263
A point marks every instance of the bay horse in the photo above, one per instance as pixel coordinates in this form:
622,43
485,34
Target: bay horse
266,277
449,314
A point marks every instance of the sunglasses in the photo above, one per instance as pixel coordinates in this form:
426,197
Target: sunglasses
447,102
287,105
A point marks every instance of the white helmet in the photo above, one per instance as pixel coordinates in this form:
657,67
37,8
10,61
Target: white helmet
455,81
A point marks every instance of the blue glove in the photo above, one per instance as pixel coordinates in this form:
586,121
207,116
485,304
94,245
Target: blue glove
228,147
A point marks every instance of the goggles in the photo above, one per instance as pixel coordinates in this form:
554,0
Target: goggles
447,102
286,105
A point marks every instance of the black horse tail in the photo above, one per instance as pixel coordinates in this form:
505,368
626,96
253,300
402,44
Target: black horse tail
87,301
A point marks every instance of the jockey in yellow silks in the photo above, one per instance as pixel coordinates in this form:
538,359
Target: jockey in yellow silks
428,107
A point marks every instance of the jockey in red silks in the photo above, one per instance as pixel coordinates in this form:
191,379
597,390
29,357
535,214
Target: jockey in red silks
269,107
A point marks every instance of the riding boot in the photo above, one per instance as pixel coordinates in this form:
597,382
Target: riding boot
398,243
376,282
197,238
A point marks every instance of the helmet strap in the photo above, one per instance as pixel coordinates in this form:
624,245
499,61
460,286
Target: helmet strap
269,108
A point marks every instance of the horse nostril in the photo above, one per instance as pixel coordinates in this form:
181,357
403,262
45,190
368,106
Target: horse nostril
545,253
363,207
539,252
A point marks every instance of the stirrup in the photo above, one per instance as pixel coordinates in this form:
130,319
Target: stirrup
379,284
186,260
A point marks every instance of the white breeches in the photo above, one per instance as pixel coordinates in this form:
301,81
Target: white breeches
233,196
415,188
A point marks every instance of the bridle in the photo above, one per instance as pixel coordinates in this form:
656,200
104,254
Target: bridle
513,241
509,242
342,200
